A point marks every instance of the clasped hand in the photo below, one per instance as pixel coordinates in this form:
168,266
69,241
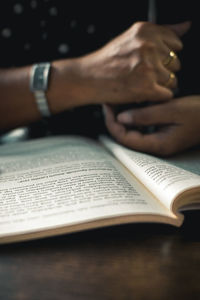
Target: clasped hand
175,122
131,67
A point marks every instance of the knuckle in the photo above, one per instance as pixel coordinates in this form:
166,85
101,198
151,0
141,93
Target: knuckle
146,47
140,27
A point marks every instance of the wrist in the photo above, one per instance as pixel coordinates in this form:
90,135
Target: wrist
69,86
39,84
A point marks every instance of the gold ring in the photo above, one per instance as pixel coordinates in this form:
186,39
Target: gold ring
172,55
170,80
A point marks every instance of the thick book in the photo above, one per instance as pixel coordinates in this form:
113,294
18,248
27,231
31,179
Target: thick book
63,184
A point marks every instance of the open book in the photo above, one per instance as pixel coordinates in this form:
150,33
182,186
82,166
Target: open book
63,184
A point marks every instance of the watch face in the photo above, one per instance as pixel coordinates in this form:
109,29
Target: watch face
39,81
40,77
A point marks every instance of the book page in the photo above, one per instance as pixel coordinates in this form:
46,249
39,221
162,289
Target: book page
164,178
60,181
189,160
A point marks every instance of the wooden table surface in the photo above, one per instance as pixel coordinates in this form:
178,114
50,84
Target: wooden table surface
138,261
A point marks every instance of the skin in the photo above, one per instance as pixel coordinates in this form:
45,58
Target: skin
126,70
177,124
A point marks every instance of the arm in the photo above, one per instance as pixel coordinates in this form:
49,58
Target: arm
128,69
18,104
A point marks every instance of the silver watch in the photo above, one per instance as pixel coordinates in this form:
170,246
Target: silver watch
39,84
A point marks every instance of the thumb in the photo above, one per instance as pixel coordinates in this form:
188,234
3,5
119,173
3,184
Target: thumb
181,28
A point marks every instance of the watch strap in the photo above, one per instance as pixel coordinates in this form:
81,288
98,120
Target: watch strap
38,85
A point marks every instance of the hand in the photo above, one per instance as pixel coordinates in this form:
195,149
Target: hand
131,67
177,123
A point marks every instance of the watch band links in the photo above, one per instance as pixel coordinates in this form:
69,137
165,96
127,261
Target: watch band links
42,103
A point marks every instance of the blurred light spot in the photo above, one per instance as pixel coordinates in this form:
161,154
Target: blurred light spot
33,4
6,32
91,29
18,8
53,11
63,48
27,46
73,23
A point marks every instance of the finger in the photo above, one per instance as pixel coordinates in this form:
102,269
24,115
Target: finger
167,141
108,113
112,125
166,77
181,28
161,143
161,74
150,115
172,81
171,39
171,61
110,118
158,92
157,143
169,58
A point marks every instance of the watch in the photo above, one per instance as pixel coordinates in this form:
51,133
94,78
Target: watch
38,85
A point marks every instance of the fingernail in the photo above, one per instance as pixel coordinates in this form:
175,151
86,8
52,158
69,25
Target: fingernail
125,117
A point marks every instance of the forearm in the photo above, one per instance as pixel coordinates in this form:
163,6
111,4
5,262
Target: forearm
17,104
126,70
67,89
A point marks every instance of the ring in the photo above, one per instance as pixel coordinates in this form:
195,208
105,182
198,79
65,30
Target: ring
172,55
170,80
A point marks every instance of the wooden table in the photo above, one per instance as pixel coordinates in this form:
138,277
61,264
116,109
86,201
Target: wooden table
139,261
